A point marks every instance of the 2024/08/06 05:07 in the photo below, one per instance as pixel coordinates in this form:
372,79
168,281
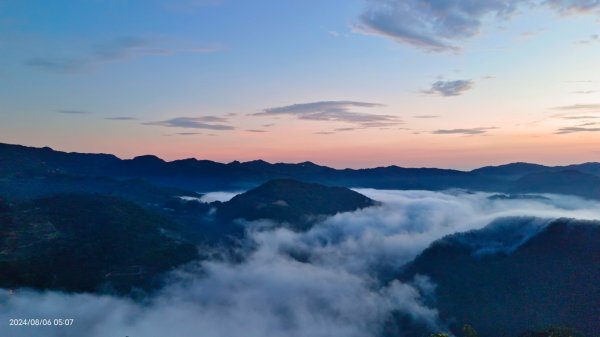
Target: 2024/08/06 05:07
41,322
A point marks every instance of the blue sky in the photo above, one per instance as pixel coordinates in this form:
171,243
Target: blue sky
344,83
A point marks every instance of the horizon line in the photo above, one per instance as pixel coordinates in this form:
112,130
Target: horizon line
293,163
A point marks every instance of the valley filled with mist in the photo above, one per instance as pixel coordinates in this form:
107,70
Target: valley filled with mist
268,168
127,257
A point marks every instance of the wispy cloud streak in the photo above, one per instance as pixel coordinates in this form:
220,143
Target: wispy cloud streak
205,122
334,111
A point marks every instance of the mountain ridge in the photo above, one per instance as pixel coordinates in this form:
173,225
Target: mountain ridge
543,272
595,165
289,201
18,161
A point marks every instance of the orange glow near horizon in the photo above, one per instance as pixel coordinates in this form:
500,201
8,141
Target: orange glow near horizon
213,89
353,149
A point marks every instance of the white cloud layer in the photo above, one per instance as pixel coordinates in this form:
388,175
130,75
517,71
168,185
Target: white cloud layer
218,196
324,282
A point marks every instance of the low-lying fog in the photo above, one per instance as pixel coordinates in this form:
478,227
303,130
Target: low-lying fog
324,282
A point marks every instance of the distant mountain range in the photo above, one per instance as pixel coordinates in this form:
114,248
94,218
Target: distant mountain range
21,162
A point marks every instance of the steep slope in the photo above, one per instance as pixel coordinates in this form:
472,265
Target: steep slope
291,201
83,242
517,275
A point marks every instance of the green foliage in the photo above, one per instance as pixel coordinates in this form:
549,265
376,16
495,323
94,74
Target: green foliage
553,332
504,295
294,202
80,242
4,213
469,331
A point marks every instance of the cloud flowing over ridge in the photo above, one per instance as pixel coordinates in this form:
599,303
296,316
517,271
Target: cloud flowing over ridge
328,281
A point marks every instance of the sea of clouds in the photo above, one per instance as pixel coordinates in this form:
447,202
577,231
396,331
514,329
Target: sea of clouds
336,279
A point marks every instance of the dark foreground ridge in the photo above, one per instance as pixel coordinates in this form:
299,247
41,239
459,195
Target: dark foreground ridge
83,242
538,275
86,242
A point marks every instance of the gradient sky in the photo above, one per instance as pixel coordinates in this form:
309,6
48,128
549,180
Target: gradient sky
345,83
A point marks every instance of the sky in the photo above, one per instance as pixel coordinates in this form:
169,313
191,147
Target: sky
344,83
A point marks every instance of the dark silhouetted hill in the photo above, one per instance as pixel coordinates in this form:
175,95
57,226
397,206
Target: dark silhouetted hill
83,242
297,203
510,171
562,182
517,274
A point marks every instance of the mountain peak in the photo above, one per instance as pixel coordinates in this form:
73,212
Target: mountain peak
148,158
297,203
257,162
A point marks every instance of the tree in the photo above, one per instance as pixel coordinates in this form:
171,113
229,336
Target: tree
469,331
